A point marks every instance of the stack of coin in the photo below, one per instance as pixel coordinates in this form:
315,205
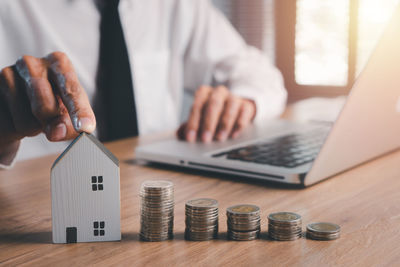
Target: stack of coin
284,226
201,219
243,222
323,231
157,210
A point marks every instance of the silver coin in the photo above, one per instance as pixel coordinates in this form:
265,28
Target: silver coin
284,226
323,231
284,217
243,236
243,222
322,238
243,209
323,227
202,203
156,210
156,184
201,219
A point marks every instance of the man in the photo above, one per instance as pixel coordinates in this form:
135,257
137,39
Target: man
159,48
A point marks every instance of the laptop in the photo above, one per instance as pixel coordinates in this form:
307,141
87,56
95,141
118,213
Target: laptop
306,153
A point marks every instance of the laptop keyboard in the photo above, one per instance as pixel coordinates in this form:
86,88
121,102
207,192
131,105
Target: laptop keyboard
288,151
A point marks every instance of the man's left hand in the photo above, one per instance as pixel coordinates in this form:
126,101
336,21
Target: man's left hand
216,114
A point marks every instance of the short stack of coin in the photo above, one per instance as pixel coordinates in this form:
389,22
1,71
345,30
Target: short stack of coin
201,219
243,222
284,226
323,231
157,210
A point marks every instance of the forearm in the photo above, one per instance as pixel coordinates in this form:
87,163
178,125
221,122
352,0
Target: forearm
7,154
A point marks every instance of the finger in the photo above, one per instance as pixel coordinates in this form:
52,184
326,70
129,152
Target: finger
43,103
62,74
7,127
7,132
212,113
228,118
18,105
193,122
180,133
62,125
245,117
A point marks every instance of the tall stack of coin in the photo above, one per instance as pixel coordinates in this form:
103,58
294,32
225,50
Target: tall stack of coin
323,231
157,210
284,226
243,222
201,219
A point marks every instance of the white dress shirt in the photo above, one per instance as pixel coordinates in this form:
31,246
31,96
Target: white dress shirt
172,45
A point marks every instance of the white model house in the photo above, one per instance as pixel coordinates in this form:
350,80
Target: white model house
85,193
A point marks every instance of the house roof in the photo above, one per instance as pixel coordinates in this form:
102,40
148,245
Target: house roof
95,141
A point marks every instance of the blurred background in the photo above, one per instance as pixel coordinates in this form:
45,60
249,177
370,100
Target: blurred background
320,46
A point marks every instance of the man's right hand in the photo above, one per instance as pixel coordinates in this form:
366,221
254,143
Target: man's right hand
42,95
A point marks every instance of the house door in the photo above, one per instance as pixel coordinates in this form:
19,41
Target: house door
71,234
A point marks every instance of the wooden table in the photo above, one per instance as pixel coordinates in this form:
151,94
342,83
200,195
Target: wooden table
365,202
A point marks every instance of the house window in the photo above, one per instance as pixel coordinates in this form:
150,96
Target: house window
98,228
97,183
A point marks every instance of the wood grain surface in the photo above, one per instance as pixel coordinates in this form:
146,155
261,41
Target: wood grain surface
364,201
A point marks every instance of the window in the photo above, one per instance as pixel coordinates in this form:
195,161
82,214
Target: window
321,39
98,228
97,183
321,46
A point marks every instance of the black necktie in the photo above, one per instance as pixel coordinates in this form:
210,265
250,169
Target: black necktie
115,104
